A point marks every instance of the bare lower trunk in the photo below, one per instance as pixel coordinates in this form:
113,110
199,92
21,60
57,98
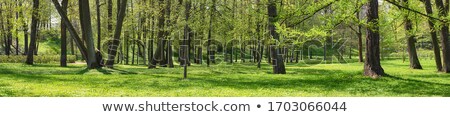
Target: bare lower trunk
34,22
372,66
434,38
413,58
63,61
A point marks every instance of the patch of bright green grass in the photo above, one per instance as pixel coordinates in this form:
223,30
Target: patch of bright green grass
221,80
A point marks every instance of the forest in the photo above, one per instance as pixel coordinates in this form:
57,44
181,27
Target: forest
224,48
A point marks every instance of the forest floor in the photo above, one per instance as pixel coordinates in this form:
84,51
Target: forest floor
329,80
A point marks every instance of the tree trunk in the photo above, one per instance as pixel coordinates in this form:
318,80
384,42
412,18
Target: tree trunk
360,43
63,61
112,49
211,20
372,66
185,50
277,62
16,32
86,29
443,12
258,31
8,31
159,54
34,22
99,32
110,20
411,40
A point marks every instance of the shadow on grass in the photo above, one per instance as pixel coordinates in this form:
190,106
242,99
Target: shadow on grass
107,71
302,80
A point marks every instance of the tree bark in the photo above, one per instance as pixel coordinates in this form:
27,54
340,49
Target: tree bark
25,32
159,54
443,12
86,29
372,66
34,22
112,49
211,20
411,40
63,61
99,31
434,38
360,38
277,62
185,50
110,15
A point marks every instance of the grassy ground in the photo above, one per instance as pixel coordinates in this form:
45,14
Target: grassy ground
221,80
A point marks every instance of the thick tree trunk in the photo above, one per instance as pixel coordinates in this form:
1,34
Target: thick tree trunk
372,66
86,29
159,54
277,62
112,49
411,40
443,12
63,61
34,22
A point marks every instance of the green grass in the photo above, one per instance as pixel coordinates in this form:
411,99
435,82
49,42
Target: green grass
49,80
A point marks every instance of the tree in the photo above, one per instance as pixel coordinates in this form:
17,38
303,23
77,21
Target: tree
159,53
88,53
411,40
443,12
86,29
63,62
34,22
434,38
277,61
112,48
99,31
372,66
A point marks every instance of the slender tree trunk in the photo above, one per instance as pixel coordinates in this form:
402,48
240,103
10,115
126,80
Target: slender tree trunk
16,32
411,40
185,50
99,32
34,22
372,66
63,61
258,31
277,63
112,49
8,30
110,20
211,20
2,29
360,42
443,12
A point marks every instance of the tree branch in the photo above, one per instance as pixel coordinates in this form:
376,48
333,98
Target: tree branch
412,10
312,14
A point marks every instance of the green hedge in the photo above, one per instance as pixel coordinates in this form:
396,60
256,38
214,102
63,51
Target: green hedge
37,59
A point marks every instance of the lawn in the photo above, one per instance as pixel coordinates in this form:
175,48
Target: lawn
330,80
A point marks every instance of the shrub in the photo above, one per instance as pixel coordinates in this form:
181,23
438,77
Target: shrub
37,59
